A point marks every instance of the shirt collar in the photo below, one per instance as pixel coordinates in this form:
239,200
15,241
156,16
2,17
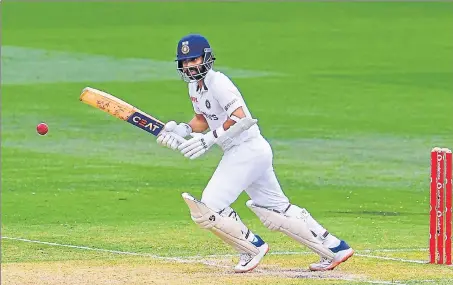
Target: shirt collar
206,80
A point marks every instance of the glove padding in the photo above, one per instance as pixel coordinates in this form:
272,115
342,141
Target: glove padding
197,146
173,135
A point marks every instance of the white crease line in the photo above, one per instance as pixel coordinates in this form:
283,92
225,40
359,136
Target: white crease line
177,259
191,259
392,258
360,253
181,260
393,250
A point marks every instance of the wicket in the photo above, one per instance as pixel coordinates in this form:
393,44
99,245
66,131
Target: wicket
440,210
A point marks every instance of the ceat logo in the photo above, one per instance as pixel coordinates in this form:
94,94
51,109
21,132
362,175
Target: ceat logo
144,123
193,99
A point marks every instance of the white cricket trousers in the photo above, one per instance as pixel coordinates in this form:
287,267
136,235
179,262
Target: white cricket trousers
245,167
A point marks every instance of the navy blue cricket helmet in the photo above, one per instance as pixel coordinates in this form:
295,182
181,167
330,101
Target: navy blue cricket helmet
191,47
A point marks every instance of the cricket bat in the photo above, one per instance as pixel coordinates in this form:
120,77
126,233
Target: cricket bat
123,111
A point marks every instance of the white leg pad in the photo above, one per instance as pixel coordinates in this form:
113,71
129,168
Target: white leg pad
226,228
293,226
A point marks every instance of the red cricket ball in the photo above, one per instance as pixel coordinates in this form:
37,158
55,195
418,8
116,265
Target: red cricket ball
42,129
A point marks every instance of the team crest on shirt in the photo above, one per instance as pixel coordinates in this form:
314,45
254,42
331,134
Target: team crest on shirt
208,104
185,47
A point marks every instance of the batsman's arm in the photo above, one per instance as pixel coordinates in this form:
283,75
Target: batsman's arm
237,114
198,123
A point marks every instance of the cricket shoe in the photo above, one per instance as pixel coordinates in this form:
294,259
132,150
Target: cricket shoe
247,261
342,253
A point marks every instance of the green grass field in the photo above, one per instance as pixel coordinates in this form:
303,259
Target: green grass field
352,97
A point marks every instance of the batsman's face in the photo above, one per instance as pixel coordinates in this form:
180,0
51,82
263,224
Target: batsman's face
190,66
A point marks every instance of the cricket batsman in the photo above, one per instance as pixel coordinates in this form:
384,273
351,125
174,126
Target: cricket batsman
222,118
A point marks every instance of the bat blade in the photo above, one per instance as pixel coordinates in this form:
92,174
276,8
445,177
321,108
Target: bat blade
121,109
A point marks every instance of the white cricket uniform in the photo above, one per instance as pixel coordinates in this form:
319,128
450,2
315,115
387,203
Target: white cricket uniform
247,164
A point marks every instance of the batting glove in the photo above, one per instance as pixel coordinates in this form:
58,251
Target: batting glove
197,146
172,135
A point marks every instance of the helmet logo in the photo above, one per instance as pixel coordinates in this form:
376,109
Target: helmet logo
185,47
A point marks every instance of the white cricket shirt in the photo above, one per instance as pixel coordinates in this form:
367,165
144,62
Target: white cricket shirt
219,101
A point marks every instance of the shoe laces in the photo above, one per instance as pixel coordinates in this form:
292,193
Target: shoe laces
324,260
245,258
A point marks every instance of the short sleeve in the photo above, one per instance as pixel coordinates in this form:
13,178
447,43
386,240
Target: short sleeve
228,95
